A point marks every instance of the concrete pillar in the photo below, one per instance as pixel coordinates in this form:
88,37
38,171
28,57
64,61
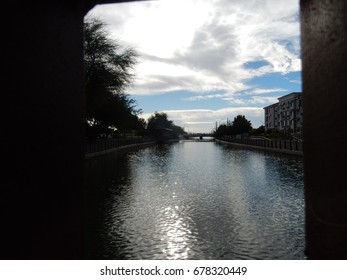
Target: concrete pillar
324,58
42,189
42,186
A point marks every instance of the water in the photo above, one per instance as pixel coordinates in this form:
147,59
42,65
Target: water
194,200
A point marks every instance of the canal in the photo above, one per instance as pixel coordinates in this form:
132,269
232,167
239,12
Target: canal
192,200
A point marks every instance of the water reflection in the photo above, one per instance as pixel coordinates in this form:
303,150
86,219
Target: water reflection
195,201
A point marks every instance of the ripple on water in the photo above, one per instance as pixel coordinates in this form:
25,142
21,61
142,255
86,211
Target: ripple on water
198,201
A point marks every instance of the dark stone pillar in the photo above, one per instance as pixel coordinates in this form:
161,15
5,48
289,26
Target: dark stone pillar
42,128
324,58
42,186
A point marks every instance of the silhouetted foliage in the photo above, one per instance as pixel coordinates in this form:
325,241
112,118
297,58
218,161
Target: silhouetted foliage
108,73
278,134
258,131
160,121
178,130
240,125
221,131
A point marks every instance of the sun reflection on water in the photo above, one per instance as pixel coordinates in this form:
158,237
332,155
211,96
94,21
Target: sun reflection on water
175,234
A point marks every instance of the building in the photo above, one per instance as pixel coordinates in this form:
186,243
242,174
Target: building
286,114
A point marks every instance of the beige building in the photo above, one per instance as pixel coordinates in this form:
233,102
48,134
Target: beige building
286,114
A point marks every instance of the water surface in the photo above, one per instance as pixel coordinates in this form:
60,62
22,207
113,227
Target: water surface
194,200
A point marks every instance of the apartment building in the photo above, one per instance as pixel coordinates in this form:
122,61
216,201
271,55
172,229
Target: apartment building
286,114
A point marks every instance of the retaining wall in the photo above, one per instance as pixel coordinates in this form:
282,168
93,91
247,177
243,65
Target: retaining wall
282,146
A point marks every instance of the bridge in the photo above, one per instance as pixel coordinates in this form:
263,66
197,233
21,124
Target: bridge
198,134
198,137
199,140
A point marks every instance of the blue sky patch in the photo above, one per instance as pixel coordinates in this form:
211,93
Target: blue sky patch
290,82
256,64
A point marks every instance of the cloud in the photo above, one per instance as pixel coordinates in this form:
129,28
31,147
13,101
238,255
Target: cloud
264,91
210,51
248,97
205,45
254,100
204,97
263,99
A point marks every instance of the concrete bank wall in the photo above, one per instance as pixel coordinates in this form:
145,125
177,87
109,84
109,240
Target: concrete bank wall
103,152
108,146
283,151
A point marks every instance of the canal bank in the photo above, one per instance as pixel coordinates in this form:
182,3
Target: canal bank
287,148
103,147
111,150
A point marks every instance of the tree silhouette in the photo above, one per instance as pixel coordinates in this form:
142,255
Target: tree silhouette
239,125
160,121
108,73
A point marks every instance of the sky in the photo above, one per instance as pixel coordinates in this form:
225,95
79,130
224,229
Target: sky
204,62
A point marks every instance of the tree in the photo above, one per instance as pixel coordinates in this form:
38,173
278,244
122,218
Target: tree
241,125
221,131
108,73
160,121
259,131
178,130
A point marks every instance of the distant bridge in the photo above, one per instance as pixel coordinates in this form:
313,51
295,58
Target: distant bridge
199,134
198,137
198,140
